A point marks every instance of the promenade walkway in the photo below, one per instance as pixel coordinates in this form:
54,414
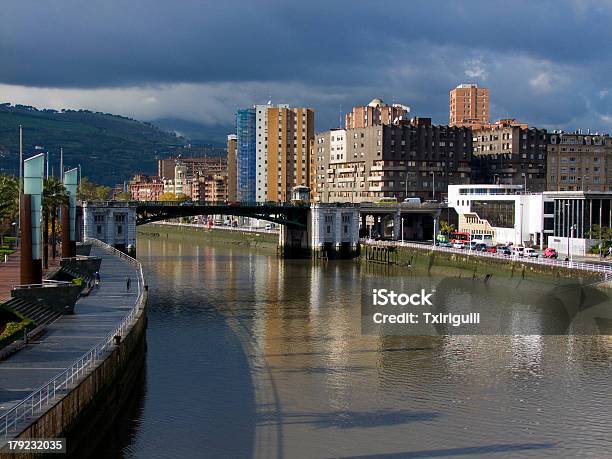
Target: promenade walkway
9,275
68,338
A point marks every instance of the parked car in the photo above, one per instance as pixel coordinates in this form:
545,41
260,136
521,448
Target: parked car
549,252
480,247
459,245
473,244
445,244
483,238
504,250
529,252
518,251
412,200
492,249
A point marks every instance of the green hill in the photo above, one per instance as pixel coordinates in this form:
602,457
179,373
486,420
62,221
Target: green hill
109,148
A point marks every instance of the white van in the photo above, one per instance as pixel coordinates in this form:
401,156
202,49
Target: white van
412,200
518,251
483,239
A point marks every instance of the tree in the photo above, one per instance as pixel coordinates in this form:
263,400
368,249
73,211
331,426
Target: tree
54,196
168,196
446,228
90,191
123,196
9,203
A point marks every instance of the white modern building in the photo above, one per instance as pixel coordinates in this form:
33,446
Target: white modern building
578,218
570,221
503,211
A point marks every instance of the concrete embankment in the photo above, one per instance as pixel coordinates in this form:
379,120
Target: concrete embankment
263,241
87,408
426,258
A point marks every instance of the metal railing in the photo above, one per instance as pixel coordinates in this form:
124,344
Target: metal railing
579,265
60,384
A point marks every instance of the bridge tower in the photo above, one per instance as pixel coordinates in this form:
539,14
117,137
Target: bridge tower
113,222
334,230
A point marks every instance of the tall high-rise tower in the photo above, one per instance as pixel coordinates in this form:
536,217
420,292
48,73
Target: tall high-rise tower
245,155
469,106
284,139
232,179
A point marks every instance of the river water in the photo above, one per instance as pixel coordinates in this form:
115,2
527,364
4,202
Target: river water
252,356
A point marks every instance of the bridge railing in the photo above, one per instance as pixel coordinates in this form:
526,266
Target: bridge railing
202,204
48,393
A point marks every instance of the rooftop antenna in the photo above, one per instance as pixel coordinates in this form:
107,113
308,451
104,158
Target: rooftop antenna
340,117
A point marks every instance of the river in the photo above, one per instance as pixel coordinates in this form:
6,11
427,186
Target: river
253,356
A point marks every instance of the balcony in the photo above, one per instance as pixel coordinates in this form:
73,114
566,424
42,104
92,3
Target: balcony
388,168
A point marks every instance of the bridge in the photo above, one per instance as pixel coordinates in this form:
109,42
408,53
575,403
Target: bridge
332,229
288,214
405,221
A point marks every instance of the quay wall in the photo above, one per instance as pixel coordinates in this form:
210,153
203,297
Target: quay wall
425,257
89,409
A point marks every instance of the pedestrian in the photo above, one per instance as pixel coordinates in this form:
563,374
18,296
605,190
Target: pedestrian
610,250
127,282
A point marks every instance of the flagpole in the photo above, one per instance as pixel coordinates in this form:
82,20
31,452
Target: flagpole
62,165
20,181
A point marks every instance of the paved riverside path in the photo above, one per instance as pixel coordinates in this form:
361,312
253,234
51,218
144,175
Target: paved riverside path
68,338
9,275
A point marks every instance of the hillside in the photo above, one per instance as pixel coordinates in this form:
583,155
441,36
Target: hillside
109,148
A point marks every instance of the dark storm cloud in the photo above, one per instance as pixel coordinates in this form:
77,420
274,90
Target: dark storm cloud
547,62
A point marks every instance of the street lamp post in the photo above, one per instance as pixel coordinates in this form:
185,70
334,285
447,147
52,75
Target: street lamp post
433,185
20,183
567,204
402,236
521,224
600,248
571,237
525,186
406,194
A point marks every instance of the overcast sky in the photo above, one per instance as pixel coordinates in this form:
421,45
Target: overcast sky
546,62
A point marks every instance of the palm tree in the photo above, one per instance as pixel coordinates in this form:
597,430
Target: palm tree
54,196
9,202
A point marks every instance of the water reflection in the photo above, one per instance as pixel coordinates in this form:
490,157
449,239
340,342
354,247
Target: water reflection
250,355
